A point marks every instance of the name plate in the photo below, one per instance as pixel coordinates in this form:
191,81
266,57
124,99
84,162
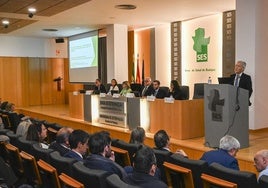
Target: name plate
102,94
169,100
116,95
130,95
113,119
75,93
150,98
89,92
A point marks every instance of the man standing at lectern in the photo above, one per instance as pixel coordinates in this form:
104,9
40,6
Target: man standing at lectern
240,79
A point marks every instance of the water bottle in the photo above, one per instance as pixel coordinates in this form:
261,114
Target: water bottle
209,80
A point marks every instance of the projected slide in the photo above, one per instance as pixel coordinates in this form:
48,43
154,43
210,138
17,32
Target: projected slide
83,52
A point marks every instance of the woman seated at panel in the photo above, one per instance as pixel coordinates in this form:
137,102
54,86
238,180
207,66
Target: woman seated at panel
174,90
113,88
126,88
37,132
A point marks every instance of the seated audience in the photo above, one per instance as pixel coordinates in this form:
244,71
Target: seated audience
261,162
137,136
22,128
78,141
226,153
144,166
162,142
102,157
174,90
62,141
113,87
37,132
148,87
99,87
157,91
126,88
3,105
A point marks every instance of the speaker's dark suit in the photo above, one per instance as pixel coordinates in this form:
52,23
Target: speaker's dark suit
245,83
148,91
160,93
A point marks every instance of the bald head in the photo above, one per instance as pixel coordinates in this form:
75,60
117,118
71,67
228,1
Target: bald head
261,160
63,135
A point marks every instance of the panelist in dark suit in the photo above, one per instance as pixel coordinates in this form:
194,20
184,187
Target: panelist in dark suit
148,87
78,141
99,87
226,153
157,91
240,79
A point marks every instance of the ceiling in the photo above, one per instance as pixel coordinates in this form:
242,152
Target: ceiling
72,17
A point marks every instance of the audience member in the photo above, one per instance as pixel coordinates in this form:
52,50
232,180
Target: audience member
261,162
137,136
99,87
23,127
113,87
37,132
61,144
78,141
226,153
126,88
157,91
148,87
144,170
162,142
10,107
3,105
102,157
174,90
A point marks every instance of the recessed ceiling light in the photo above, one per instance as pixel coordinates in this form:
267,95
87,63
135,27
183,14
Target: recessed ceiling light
50,30
5,22
32,10
126,6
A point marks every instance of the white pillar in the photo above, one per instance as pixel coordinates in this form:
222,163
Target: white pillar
117,53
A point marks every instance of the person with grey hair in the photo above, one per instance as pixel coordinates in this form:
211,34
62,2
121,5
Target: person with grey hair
226,153
261,162
240,79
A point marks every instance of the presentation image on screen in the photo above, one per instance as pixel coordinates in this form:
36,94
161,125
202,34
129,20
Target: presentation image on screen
83,57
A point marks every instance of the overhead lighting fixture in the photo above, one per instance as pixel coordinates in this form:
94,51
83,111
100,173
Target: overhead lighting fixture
126,6
5,23
31,11
50,30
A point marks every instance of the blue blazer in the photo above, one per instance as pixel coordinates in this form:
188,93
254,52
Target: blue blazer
222,157
72,154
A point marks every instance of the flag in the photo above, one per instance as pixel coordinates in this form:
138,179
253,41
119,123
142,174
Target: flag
133,71
142,72
138,78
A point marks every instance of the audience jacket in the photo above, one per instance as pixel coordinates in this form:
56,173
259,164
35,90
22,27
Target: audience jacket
98,162
222,157
58,147
72,154
144,180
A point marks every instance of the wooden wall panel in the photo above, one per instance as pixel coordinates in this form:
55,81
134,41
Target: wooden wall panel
34,81
57,66
46,82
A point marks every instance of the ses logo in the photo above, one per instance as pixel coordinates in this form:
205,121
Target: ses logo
201,45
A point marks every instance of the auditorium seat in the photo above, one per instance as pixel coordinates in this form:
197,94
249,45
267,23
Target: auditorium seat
51,134
6,121
13,138
4,131
131,148
165,88
161,157
121,156
178,176
198,91
3,151
243,179
25,145
14,159
196,166
31,172
263,181
211,181
185,92
62,164
89,177
69,182
14,120
41,153
113,181
48,174
136,87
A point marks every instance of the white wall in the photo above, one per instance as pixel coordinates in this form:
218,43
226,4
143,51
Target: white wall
251,46
31,47
163,54
198,72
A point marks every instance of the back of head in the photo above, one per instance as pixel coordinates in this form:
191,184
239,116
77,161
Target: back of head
3,105
77,136
161,139
137,136
229,142
9,107
144,159
63,135
34,131
98,141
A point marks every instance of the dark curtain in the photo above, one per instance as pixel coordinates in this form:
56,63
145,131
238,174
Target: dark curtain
102,72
